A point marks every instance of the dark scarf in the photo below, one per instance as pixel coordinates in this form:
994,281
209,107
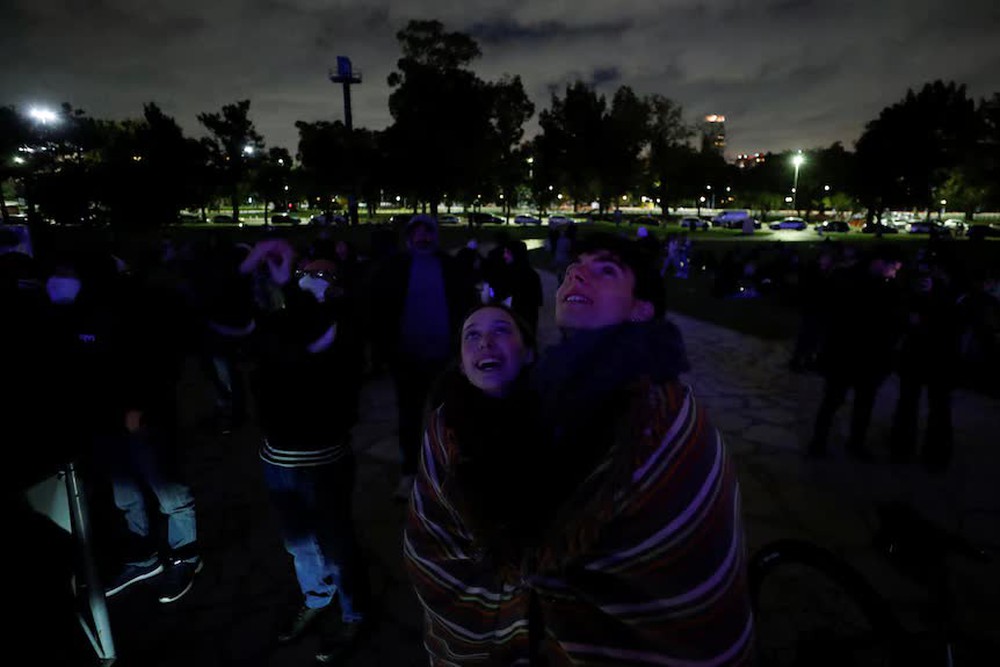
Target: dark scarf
582,384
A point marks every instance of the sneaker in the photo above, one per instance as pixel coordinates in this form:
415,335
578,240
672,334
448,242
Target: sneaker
339,644
130,575
297,626
405,488
179,579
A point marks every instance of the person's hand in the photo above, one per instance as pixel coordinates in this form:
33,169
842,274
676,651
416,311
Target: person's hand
133,421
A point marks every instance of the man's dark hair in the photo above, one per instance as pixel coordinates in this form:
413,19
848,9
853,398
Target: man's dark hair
648,282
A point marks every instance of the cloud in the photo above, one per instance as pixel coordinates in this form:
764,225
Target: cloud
786,73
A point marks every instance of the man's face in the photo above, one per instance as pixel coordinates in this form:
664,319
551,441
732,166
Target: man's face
598,291
423,239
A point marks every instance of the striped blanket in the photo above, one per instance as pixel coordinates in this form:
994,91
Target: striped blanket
644,565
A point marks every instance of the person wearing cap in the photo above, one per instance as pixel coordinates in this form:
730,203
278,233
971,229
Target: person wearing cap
307,387
418,300
643,559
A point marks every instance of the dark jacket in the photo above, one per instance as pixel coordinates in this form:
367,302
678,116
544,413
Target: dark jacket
307,402
390,283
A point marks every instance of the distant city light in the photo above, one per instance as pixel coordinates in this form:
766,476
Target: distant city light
286,188
18,159
788,200
43,115
530,160
551,188
826,188
715,118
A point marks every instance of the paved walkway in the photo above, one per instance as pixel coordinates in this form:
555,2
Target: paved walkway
764,412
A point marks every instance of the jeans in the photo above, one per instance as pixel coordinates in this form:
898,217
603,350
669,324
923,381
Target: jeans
141,460
314,509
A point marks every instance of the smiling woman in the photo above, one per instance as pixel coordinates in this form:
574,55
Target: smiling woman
470,512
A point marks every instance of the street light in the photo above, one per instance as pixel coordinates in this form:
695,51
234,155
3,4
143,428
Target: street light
797,160
43,115
248,150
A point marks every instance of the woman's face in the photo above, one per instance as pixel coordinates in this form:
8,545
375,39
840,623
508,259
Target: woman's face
493,351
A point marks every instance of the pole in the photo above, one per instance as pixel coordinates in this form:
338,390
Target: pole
795,188
100,637
352,197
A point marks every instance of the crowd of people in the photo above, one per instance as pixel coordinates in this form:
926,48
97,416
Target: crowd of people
536,481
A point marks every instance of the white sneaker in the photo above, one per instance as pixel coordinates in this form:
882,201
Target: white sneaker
404,489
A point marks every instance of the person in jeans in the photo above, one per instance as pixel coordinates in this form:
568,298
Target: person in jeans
307,387
115,362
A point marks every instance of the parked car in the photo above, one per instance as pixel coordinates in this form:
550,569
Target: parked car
691,222
927,227
484,218
875,227
448,220
645,220
979,232
284,219
324,219
733,219
829,226
527,220
223,219
186,217
400,219
790,223
955,226
559,220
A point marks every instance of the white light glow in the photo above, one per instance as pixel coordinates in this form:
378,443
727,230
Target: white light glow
43,115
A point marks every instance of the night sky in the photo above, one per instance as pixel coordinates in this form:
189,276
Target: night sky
786,73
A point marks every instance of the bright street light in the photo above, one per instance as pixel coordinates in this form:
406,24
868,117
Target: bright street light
944,202
530,160
248,150
43,115
798,159
18,159
826,188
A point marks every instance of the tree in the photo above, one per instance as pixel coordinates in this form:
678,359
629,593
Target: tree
511,109
626,133
14,134
906,154
272,177
149,170
234,141
441,136
570,128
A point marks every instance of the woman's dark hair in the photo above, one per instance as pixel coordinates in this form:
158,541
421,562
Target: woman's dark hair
648,282
527,331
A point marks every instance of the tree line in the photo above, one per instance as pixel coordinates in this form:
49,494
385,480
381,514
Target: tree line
456,138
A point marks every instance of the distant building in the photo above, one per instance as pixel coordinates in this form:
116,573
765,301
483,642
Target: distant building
713,134
749,160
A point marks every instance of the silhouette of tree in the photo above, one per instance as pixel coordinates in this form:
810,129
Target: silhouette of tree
511,109
149,170
234,142
272,178
907,153
14,134
571,127
440,139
